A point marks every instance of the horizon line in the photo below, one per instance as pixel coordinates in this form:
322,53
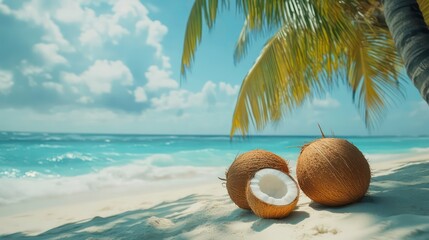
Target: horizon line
206,134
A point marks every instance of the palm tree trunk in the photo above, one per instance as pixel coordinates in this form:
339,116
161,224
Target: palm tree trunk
411,36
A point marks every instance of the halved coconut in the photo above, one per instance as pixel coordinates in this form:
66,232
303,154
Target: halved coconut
272,193
244,168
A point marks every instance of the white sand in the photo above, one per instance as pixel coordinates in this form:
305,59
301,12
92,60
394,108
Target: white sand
397,207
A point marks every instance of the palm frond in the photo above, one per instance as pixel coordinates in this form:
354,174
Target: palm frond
243,43
289,70
424,8
247,36
316,43
295,13
374,76
261,18
329,15
206,9
298,62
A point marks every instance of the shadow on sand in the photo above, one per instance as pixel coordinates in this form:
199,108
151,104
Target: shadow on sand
166,220
393,196
398,199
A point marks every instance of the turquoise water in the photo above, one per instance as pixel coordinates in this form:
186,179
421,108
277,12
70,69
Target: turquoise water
83,162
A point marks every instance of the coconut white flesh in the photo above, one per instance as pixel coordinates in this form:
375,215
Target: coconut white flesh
273,187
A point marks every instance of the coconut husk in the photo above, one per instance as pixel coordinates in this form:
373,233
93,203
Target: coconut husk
244,167
333,172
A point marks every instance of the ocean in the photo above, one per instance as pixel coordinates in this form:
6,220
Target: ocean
37,165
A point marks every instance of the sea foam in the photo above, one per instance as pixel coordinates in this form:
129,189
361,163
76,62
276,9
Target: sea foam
141,174
71,156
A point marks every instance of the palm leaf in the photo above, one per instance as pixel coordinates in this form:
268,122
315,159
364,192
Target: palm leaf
298,64
316,43
264,17
424,8
247,36
289,70
201,8
373,73
243,43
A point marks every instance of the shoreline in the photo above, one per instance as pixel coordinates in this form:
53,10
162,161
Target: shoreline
140,175
210,199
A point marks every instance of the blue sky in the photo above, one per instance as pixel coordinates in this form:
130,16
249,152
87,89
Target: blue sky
114,67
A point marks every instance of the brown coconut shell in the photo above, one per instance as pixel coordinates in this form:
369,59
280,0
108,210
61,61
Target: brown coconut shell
333,172
244,168
264,210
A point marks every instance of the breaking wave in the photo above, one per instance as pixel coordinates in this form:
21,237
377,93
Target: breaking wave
140,174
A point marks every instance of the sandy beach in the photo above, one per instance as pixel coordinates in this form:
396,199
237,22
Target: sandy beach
396,207
120,119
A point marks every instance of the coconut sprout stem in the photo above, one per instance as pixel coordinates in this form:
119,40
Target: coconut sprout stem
321,131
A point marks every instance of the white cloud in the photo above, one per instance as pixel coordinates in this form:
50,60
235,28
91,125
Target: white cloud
49,53
328,102
30,70
174,100
101,75
159,79
4,9
115,31
166,62
155,33
85,100
96,30
6,81
127,8
53,86
140,95
36,12
154,29
208,93
228,88
70,11
182,99
106,25
91,27
71,78
90,38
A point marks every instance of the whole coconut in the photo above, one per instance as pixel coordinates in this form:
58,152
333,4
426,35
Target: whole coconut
244,168
333,172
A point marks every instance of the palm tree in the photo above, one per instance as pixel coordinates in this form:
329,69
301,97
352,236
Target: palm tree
315,45
411,35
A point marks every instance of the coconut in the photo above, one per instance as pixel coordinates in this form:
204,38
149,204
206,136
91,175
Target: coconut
272,193
244,168
333,172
